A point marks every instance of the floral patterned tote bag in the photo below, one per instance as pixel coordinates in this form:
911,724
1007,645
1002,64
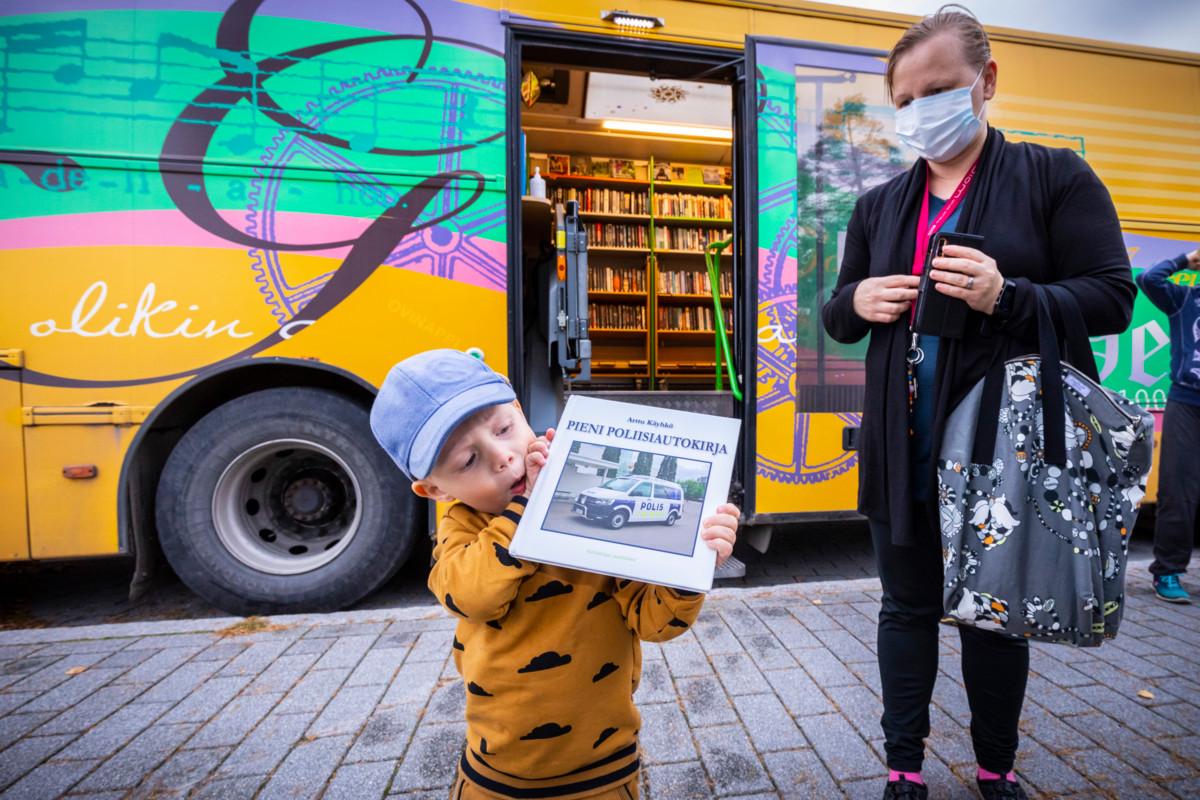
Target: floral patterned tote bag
1040,476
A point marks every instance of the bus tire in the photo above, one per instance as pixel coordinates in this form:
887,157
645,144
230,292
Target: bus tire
282,501
618,519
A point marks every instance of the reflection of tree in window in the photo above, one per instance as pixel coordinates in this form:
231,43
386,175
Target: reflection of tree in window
644,462
666,470
641,490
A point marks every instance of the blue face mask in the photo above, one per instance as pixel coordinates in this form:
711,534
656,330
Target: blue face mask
940,126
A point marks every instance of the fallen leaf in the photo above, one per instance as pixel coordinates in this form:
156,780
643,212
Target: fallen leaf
76,670
817,601
1145,693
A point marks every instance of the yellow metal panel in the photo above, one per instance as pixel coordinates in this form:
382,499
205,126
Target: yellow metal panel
12,358
69,518
14,535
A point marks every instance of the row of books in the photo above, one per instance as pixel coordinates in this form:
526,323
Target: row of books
692,282
602,201
690,318
686,238
616,279
617,316
669,204
610,234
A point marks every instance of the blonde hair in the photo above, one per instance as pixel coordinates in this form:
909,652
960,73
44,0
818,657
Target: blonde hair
977,48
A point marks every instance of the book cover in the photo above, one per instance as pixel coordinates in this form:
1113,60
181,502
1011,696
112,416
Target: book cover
662,171
625,489
712,176
621,168
558,164
581,165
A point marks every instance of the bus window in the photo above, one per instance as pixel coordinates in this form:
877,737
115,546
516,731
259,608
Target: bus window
845,144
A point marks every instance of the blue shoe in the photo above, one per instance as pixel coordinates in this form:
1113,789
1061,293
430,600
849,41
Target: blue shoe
1168,588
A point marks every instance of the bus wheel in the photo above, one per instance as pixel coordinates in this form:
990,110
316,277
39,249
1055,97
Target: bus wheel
672,518
282,501
618,519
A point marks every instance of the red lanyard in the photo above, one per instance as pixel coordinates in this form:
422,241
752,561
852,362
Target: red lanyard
925,228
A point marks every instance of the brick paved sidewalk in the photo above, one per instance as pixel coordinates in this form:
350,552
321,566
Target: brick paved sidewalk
774,693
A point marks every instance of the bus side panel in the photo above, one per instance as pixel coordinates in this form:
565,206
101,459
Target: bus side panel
184,189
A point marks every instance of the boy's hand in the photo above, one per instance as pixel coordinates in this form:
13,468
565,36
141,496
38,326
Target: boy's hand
535,459
720,531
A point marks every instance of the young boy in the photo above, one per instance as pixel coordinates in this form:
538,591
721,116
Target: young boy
550,656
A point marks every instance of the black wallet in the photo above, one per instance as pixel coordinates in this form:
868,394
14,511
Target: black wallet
938,314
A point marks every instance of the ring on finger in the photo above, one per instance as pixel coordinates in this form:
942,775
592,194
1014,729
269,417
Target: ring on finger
970,282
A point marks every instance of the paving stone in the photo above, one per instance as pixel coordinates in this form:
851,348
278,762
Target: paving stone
180,683
306,769
449,671
229,788
432,759
798,692
84,646
345,653
28,664
413,683
73,690
385,735
743,621
768,653
255,658
1055,671
349,629
1123,742
360,781
347,711
46,678
431,646
1054,699
126,659
868,675
800,774
109,736
704,702
208,699
181,771
1188,787
192,641
813,617
234,721
377,666
1048,773
49,780
157,667
396,638
942,782
25,755
845,753
768,723
91,709
1127,711
10,701
860,706
824,668
282,674
685,658
845,646
221,651
139,758
950,695
731,762
655,685
448,704
1113,775
948,738
266,746
739,675
310,646
786,628
313,691
14,726
1049,730
665,736
714,635
678,782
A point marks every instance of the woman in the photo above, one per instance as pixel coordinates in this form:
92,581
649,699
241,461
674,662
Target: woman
1045,218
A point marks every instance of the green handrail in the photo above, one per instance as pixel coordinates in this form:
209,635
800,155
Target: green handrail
712,259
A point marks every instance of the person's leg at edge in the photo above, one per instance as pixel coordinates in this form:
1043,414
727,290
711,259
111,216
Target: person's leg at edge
995,671
1178,491
908,641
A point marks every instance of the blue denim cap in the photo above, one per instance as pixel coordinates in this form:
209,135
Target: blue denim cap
424,398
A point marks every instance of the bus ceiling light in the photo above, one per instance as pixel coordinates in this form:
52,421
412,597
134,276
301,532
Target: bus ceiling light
639,22
668,129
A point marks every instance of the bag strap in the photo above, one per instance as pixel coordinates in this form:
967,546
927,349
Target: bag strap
1077,346
1053,403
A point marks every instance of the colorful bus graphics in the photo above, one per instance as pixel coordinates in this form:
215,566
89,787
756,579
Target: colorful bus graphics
223,221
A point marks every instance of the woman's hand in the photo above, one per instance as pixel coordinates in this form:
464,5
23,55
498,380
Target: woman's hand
968,274
719,531
886,298
535,459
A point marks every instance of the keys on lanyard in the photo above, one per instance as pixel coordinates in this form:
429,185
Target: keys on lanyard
912,358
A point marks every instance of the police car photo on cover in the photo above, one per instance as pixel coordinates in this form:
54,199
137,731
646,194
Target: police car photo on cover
624,491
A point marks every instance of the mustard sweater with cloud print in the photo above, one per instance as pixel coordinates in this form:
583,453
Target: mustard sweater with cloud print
550,659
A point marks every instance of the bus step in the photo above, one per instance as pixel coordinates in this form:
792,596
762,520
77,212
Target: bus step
720,404
732,568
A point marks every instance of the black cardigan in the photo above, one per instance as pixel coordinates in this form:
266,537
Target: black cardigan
1045,218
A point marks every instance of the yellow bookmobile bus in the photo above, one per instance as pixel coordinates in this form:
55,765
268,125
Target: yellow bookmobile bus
223,220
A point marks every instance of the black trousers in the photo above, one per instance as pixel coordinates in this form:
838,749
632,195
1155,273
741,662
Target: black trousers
1178,489
995,668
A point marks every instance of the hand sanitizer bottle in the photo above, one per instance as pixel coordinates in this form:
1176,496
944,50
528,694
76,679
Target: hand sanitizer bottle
537,184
